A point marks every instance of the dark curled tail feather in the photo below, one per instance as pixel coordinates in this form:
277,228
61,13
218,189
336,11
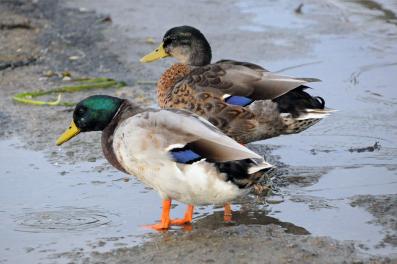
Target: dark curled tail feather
321,101
237,172
297,101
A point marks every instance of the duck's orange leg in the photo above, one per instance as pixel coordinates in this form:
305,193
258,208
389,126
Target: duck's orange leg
165,217
227,213
186,219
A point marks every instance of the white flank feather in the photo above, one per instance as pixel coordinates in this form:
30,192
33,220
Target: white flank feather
172,146
316,114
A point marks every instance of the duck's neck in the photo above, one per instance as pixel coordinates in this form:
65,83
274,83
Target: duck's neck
200,56
200,53
126,110
168,80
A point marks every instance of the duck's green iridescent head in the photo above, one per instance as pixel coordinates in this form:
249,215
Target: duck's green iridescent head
185,43
91,114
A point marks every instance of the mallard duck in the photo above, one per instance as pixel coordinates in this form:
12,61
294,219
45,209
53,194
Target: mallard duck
180,155
245,101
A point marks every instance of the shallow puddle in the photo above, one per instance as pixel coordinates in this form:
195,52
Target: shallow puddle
353,152
48,209
327,205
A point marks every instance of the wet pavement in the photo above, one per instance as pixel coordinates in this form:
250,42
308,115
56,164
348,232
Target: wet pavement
65,203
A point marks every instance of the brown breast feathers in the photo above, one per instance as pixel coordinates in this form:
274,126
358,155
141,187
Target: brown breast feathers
168,80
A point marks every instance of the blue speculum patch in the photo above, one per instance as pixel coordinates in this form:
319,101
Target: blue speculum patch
185,156
238,100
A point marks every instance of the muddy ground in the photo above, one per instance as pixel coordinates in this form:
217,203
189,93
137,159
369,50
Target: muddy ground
334,195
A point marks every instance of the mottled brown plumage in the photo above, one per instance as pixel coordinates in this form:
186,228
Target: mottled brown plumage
167,81
200,90
276,104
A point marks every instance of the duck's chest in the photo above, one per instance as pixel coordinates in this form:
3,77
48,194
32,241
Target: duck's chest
171,93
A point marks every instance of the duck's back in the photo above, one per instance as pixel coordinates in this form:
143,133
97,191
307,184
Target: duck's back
242,99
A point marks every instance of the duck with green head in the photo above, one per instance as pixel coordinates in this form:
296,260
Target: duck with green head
180,155
245,101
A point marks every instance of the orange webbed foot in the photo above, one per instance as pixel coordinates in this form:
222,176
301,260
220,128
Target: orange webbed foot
185,220
180,221
166,222
158,227
165,218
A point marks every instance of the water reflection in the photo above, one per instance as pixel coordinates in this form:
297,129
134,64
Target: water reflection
242,217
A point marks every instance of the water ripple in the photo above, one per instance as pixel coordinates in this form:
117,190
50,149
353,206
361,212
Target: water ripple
65,219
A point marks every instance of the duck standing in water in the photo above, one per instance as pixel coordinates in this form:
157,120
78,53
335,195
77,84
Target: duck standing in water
245,101
180,155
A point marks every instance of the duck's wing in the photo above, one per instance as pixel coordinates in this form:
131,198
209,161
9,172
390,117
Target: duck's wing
193,138
231,78
242,63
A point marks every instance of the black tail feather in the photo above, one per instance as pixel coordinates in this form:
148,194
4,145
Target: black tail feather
237,172
297,100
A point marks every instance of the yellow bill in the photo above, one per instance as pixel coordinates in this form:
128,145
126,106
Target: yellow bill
155,55
72,131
